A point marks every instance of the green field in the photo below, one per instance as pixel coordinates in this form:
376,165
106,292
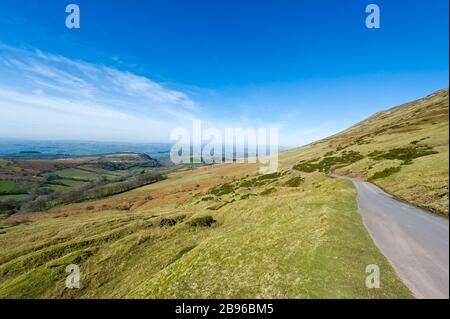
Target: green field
57,188
69,182
14,196
7,186
77,173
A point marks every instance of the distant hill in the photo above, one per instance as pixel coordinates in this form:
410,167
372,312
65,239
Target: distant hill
404,150
61,149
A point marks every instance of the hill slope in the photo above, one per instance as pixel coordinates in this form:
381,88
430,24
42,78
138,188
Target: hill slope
219,231
225,231
404,150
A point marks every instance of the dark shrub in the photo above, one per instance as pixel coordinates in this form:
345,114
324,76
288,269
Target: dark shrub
222,189
295,181
406,154
247,183
9,206
171,221
205,221
385,173
328,162
167,222
269,176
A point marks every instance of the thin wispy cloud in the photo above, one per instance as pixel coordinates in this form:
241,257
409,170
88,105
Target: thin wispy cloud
42,87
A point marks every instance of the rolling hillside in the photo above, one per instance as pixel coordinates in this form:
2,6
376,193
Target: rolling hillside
404,150
224,231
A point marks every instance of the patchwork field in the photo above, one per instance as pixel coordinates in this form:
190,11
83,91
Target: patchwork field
23,182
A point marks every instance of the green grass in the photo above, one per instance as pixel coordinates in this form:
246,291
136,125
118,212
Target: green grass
302,243
77,173
14,196
21,187
57,188
69,182
296,248
7,186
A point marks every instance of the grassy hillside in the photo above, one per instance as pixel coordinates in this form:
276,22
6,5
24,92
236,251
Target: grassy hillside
404,150
224,231
209,232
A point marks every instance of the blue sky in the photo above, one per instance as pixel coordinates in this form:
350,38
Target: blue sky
137,69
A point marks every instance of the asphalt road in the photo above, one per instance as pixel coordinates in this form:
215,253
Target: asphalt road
414,240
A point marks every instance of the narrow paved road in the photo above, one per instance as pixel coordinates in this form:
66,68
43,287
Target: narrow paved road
414,241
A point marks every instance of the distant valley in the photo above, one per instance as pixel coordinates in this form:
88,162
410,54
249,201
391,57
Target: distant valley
14,147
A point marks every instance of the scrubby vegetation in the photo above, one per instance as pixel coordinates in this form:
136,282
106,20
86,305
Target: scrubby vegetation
384,173
222,189
204,221
406,154
268,176
171,221
260,180
295,181
329,162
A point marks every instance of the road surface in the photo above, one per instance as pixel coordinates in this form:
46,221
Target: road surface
414,241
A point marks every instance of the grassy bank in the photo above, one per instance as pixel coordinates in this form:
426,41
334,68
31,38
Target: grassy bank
303,241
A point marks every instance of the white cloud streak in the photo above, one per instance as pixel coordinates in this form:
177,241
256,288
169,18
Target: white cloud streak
50,96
